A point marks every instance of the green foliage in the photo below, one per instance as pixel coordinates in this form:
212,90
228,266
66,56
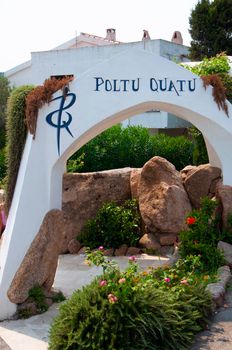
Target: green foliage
2,164
130,310
113,226
214,65
75,165
211,28
36,293
117,147
200,154
16,133
187,271
177,150
120,147
202,236
58,297
4,94
38,296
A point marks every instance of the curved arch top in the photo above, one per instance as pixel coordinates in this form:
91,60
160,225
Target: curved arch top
120,86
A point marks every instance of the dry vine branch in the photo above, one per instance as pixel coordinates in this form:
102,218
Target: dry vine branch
219,91
39,96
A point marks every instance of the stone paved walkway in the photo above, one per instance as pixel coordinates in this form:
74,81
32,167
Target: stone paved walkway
219,334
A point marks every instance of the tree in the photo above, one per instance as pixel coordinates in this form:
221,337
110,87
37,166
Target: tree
4,94
211,28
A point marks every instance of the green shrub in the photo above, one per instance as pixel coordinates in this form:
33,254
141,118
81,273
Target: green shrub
4,94
214,65
203,235
200,154
36,293
2,164
127,311
113,226
120,147
16,133
177,150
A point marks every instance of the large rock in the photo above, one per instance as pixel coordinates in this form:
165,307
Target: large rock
40,262
84,194
163,201
184,172
134,182
224,194
200,182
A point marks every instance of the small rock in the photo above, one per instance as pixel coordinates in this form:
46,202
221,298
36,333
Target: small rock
224,275
167,251
133,251
74,246
217,292
167,239
82,250
109,252
27,309
226,248
149,241
224,194
121,250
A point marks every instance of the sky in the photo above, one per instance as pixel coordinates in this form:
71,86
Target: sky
27,26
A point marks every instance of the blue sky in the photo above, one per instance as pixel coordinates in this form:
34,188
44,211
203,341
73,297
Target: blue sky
28,25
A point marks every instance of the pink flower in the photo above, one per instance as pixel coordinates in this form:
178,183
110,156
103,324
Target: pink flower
122,280
101,248
132,258
112,298
184,282
103,283
167,279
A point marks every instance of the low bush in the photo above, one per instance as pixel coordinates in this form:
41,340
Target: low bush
200,154
130,310
120,147
113,226
177,150
203,235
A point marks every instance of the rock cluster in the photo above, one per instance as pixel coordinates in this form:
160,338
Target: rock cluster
165,197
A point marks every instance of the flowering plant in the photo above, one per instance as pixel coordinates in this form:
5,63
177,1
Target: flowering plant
202,236
134,309
190,220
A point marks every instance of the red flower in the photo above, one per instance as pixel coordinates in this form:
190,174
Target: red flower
190,220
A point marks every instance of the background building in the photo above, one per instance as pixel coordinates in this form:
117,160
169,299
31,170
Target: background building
72,58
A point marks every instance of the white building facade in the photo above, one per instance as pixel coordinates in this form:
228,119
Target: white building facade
63,60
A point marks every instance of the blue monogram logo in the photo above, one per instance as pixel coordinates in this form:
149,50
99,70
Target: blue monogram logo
61,123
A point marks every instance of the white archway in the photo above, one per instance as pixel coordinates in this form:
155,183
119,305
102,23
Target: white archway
121,86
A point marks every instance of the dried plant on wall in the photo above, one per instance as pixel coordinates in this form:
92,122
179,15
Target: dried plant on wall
219,90
39,96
